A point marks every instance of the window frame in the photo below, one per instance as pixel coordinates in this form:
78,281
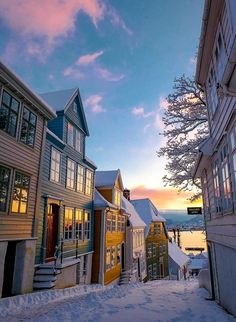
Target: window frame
88,182
77,230
34,126
70,140
72,226
56,162
8,188
21,187
87,225
70,171
80,183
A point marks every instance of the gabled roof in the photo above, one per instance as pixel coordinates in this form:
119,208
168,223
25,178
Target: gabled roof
178,256
62,100
107,179
147,211
16,82
101,202
134,217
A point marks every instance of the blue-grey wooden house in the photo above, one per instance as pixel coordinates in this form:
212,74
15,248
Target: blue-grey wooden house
65,228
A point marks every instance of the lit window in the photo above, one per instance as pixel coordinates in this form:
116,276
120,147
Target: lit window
78,141
28,127
108,258
227,202
88,187
216,181
70,134
117,197
70,177
119,226
4,187
79,224
123,223
113,225
9,111
20,194
80,178
86,225
108,222
55,165
68,223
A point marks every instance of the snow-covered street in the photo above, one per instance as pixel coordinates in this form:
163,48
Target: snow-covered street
170,301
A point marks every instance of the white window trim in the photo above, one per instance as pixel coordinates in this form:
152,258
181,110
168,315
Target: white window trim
50,176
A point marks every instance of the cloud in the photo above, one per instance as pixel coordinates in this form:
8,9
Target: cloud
193,60
107,75
140,111
166,198
73,72
94,103
89,58
116,20
159,124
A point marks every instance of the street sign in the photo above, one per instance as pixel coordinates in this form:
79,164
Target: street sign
194,210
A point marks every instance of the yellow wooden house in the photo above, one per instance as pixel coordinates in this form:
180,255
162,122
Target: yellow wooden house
109,228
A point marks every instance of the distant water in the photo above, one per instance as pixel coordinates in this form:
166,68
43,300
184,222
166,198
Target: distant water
192,239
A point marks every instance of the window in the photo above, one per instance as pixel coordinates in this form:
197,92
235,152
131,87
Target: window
212,90
113,253
9,111
205,195
55,165
108,258
68,223
216,181
154,250
227,202
118,254
113,222
219,57
149,251
123,223
119,219
70,134
20,193
88,187
80,178
156,229
117,197
70,180
86,225
28,127
75,107
79,224
4,187
108,222
78,141
233,149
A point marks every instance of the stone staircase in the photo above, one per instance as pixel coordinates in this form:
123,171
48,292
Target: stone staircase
125,278
45,276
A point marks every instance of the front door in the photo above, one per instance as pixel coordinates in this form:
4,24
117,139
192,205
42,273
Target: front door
52,230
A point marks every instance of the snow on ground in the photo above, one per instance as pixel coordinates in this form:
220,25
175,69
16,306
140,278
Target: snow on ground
159,301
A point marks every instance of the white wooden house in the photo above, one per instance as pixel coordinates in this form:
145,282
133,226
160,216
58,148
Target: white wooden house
216,164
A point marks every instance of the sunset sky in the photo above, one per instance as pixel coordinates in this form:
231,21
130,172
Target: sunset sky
123,55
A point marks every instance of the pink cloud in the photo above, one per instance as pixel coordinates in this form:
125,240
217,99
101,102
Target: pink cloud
73,72
107,75
89,58
45,18
116,20
139,110
94,103
163,103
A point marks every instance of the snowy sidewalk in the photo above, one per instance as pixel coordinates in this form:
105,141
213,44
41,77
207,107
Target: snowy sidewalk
164,301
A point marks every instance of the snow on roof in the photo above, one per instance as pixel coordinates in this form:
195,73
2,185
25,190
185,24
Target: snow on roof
90,162
178,256
101,202
134,218
197,263
147,210
45,105
55,136
59,99
108,178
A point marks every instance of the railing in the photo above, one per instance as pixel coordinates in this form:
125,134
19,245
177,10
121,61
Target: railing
59,251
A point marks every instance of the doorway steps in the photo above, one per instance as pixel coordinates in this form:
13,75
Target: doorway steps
45,276
125,278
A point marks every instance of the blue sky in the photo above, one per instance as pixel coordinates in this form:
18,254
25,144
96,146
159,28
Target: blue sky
123,55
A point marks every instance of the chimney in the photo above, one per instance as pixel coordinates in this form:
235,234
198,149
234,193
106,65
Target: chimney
126,194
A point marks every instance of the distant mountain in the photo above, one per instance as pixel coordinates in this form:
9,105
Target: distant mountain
175,217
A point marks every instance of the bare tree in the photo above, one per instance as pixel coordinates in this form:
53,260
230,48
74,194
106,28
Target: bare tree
186,126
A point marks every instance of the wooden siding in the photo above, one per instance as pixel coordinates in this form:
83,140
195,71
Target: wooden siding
18,156
97,245
157,239
70,198
56,125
